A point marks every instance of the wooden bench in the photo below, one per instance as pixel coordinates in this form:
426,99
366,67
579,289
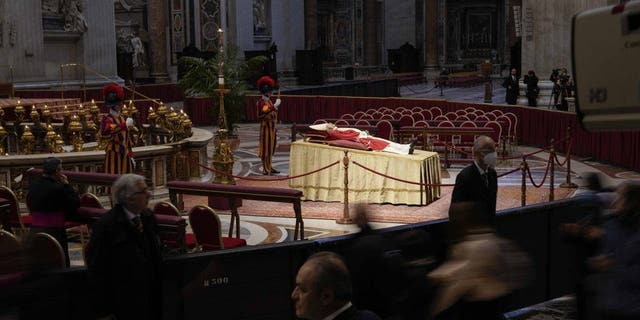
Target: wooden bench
6,89
233,192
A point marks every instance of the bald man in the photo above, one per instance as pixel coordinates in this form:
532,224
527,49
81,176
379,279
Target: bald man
478,182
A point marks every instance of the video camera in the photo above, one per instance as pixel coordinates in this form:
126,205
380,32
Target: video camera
606,51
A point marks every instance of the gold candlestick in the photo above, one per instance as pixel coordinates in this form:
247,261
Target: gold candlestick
26,140
75,127
3,137
223,156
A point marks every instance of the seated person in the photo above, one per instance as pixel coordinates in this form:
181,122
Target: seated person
369,142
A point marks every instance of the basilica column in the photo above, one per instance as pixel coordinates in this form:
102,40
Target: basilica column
431,39
370,33
311,24
157,13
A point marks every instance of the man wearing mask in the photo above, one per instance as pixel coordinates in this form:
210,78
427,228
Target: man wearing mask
478,182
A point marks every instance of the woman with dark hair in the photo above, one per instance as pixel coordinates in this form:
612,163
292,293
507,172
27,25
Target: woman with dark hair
114,129
268,116
531,80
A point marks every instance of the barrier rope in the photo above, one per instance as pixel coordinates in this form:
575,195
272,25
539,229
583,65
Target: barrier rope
402,180
566,156
263,179
508,173
453,147
546,172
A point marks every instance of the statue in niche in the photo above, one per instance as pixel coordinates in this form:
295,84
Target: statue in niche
131,4
73,19
50,7
138,51
130,43
259,17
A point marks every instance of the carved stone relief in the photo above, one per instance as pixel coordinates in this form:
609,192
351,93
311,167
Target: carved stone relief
132,4
73,18
63,15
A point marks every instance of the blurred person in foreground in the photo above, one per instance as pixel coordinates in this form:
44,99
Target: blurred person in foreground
481,271
374,256
124,255
585,236
323,290
52,200
478,182
619,258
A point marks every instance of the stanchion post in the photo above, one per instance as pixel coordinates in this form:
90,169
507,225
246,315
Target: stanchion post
446,155
568,184
346,218
552,159
523,189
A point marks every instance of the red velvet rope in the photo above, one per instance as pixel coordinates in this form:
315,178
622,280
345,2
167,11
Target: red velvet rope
499,158
263,179
545,174
508,173
401,180
566,156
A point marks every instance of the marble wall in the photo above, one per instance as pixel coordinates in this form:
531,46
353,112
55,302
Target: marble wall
400,23
546,33
36,54
284,27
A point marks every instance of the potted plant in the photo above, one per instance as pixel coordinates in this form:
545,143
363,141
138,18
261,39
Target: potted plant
201,80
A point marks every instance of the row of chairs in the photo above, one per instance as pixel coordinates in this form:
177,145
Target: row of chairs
45,253
418,116
206,226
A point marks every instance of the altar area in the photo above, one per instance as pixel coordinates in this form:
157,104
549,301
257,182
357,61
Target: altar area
376,185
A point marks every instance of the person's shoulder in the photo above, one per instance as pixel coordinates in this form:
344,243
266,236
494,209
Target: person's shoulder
469,169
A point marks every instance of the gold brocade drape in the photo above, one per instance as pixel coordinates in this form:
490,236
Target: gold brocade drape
364,186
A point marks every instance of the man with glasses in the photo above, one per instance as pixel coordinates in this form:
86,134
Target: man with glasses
124,255
478,182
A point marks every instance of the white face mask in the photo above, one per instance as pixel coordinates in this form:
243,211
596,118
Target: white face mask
490,159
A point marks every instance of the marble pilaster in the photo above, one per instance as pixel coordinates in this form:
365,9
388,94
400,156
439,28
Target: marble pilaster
431,38
371,56
311,24
157,15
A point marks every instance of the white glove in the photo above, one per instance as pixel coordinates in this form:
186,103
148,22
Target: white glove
278,102
129,122
133,162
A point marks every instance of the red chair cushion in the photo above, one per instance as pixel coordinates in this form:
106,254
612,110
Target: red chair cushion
227,242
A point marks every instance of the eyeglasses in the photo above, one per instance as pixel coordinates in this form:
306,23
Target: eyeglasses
487,151
145,191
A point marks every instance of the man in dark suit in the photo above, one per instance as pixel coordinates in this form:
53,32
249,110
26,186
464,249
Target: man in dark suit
478,182
124,255
52,201
323,290
512,85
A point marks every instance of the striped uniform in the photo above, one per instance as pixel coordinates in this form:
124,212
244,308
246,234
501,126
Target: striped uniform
268,116
118,149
